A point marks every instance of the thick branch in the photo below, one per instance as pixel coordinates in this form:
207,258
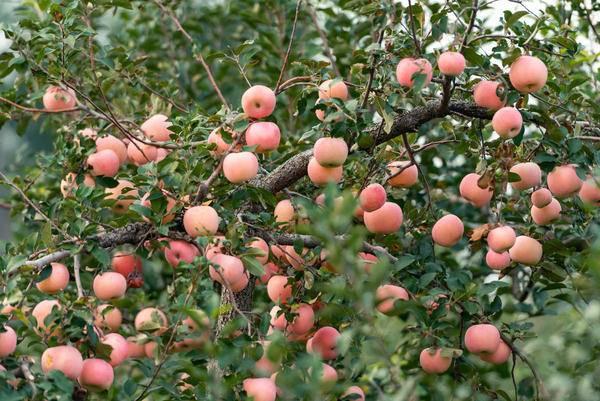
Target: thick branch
409,121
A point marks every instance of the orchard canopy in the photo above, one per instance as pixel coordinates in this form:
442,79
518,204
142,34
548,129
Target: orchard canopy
299,200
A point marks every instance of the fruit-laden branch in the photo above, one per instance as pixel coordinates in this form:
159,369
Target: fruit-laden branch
409,121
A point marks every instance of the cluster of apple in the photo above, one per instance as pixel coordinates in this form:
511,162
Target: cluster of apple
96,374
484,340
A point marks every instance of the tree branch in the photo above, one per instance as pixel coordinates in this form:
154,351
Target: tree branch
326,48
289,49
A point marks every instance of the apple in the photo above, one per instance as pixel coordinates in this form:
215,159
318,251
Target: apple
528,74
278,289
529,173
151,320
407,177
120,348
590,192
407,68
109,285
324,342
385,220
140,153
485,94
104,163
432,361
64,358
541,197
330,152
372,197
56,99
387,295
447,231
265,135
501,238
96,375
258,101
201,221
482,338
451,63
110,142
563,181
156,128
260,389
8,341
526,250
320,175
124,194
68,185
547,214
108,317
497,261
240,167
507,122
499,356
471,191
56,281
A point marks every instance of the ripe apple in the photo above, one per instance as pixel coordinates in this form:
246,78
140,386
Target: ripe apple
387,295
433,362
57,281
151,320
64,358
265,135
320,175
497,261
56,98
200,221
110,142
447,231
104,162
482,338
507,122
258,101
473,193
547,214
541,197
156,128
406,178
526,250
485,94
530,173
407,68
501,238
96,375
385,220
372,197
330,152
451,63
528,74
68,185
563,181
240,167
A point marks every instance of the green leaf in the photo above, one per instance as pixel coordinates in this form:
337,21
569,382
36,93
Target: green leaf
253,266
514,17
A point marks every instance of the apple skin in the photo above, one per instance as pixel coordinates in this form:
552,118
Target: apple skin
526,250
387,295
507,122
156,128
432,361
330,152
482,338
337,90
590,192
541,197
64,358
258,101
320,175
408,177
115,144
96,375
147,318
278,289
240,167
501,238
497,261
408,67
57,98
385,220
528,74
178,251
563,181
265,135
324,341
530,175
357,392
8,341
499,356
485,94
57,281
372,197
120,348
124,194
41,311
448,230
260,389
470,191
547,214
109,285
201,221
451,63
104,163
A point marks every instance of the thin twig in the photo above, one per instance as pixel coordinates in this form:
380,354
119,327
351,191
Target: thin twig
411,156
197,55
413,28
34,110
313,15
465,40
76,269
289,49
